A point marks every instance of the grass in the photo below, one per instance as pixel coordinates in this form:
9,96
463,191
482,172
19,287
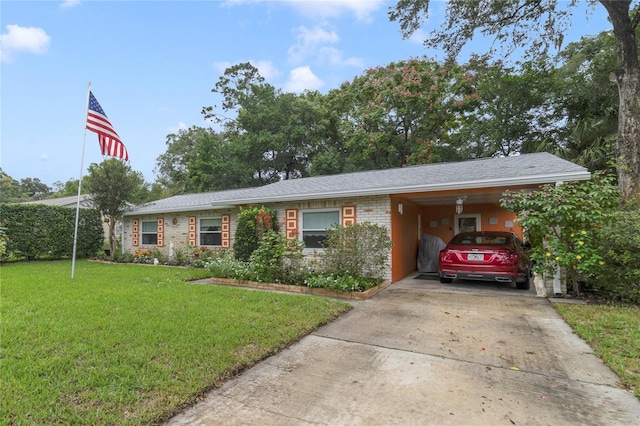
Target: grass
132,344
614,334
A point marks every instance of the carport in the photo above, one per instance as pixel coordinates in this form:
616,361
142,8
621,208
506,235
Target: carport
465,201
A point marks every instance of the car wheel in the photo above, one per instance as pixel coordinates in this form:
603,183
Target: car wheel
524,285
446,280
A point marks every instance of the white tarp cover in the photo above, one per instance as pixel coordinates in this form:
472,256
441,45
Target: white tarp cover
428,253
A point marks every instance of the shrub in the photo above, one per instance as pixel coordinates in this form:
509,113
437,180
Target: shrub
3,241
563,221
253,222
36,231
224,265
295,268
619,245
159,255
360,250
125,257
181,256
200,256
346,283
267,260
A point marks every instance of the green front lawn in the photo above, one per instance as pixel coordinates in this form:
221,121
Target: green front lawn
131,344
614,334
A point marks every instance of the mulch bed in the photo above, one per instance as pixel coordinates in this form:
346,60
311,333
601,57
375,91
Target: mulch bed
303,290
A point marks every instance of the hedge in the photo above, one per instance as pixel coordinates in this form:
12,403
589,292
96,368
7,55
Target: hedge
36,231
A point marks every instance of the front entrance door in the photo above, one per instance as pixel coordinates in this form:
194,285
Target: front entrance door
467,223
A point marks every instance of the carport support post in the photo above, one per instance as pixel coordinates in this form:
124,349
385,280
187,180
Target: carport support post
557,284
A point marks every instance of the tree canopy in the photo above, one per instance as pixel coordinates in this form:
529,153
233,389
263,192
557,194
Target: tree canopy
113,185
541,25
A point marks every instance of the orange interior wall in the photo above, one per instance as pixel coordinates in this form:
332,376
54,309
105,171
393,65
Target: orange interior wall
404,234
439,220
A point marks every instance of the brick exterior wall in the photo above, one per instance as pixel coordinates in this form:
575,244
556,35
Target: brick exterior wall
175,228
373,209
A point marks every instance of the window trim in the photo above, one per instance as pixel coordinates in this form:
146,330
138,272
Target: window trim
303,229
219,232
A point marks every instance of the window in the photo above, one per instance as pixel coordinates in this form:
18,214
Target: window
314,227
149,232
211,232
467,223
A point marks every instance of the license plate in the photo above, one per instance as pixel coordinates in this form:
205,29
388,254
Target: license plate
475,256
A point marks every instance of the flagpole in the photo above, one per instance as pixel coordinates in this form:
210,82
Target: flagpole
75,233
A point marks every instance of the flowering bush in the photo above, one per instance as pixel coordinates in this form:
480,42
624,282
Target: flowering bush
143,256
253,222
224,265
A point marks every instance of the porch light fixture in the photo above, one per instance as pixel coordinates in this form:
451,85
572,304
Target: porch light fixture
400,208
459,202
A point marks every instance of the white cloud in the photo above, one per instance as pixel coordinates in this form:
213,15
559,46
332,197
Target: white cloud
23,39
67,4
301,79
44,156
317,43
418,37
363,10
266,69
309,41
334,56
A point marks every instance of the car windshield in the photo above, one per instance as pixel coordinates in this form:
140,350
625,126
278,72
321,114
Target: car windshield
480,240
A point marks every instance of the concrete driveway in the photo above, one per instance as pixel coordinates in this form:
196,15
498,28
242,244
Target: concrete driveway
424,353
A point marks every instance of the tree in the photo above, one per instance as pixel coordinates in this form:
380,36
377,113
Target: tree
9,189
542,24
218,164
587,101
113,185
274,134
172,167
34,188
67,188
395,115
514,113
563,224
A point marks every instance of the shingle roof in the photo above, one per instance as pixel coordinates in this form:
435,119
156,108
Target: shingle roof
523,169
70,201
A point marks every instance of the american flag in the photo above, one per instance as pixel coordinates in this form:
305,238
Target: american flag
97,121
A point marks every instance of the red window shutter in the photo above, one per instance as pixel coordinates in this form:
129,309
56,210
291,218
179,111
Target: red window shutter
348,215
226,237
292,224
160,242
136,232
192,230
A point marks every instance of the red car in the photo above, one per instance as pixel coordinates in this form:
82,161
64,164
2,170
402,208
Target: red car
486,256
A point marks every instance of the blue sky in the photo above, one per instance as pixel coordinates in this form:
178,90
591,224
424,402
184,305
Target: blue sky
152,65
